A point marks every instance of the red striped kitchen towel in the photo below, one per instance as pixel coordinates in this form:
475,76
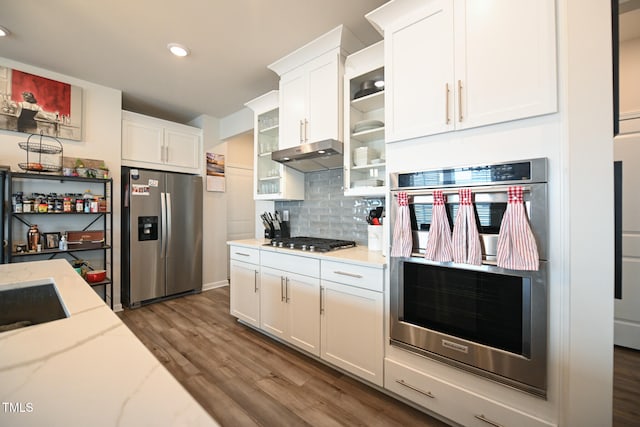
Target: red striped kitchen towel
402,243
466,240
439,241
517,248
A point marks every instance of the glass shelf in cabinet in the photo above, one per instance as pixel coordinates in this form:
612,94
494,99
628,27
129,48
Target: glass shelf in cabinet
369,166
270,131
369,135
372,102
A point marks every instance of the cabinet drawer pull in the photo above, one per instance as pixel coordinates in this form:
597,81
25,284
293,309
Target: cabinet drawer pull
321,300
306,130
446,106
241,254
460,115
281,288
301,137
481,417
286,289
344,273
426,393
255,281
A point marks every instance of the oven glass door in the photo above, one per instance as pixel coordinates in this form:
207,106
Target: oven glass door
488,215
486,308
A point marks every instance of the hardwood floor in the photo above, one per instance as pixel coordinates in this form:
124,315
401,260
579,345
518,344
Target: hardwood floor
626,387
243,378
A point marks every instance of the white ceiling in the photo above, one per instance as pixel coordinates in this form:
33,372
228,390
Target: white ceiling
122,44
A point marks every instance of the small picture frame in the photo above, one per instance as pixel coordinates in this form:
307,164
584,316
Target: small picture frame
51,240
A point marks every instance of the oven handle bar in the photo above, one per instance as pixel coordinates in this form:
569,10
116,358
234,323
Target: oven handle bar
454,190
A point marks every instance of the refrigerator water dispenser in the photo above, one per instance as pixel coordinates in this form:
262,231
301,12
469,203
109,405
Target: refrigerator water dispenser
147,228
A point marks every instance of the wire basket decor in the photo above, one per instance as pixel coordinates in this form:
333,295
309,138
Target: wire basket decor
44,154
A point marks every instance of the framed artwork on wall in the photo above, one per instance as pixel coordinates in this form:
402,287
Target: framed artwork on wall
51,240
37,105
215,172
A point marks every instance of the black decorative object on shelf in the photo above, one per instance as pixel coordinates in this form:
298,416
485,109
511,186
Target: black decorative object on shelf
48,153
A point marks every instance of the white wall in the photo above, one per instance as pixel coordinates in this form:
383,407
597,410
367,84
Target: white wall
587,153
102,108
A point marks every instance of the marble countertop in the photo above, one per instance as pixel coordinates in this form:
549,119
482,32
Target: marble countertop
358,255
88,369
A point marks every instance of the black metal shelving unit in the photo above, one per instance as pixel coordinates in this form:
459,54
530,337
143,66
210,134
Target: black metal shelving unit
90,219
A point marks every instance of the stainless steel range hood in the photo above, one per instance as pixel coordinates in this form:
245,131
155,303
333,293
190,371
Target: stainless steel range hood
311,157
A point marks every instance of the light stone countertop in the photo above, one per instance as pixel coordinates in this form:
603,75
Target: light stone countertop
86,370
359,255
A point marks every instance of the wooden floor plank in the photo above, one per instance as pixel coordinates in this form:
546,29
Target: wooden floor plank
243,378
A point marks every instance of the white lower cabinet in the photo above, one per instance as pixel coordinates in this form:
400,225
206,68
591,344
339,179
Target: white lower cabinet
339,318
244,292
352,322
457,404
290,302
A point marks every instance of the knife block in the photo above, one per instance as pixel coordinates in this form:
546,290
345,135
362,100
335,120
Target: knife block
284,230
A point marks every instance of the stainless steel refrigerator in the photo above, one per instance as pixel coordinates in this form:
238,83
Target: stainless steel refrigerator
162,235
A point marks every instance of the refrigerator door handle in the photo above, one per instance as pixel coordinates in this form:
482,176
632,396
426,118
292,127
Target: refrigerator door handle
169,227
163,227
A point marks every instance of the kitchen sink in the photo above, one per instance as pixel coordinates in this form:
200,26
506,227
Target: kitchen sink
30,303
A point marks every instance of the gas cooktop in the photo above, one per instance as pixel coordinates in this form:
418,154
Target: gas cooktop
311,244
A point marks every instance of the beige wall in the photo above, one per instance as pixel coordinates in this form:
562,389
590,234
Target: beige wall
101,140
238,152
630,76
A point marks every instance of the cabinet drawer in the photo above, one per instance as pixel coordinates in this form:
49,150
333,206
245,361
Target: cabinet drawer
351,274
297,264
457,404
242,253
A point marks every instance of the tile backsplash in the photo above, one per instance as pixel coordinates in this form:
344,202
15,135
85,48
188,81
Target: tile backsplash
326,212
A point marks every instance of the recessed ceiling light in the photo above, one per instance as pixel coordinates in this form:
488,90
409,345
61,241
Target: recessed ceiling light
178,49
4,32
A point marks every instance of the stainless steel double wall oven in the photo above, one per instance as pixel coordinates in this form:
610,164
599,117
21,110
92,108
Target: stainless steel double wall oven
485,319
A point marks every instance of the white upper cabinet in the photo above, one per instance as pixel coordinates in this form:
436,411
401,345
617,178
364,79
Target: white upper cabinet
458,64
311,88
272,180
364,147
152,143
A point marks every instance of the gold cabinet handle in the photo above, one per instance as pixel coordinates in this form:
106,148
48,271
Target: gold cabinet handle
281,288
447,93
286,290
301,126
460,115
255,281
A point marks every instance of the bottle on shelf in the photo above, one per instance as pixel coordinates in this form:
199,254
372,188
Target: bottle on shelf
62,245
33,238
